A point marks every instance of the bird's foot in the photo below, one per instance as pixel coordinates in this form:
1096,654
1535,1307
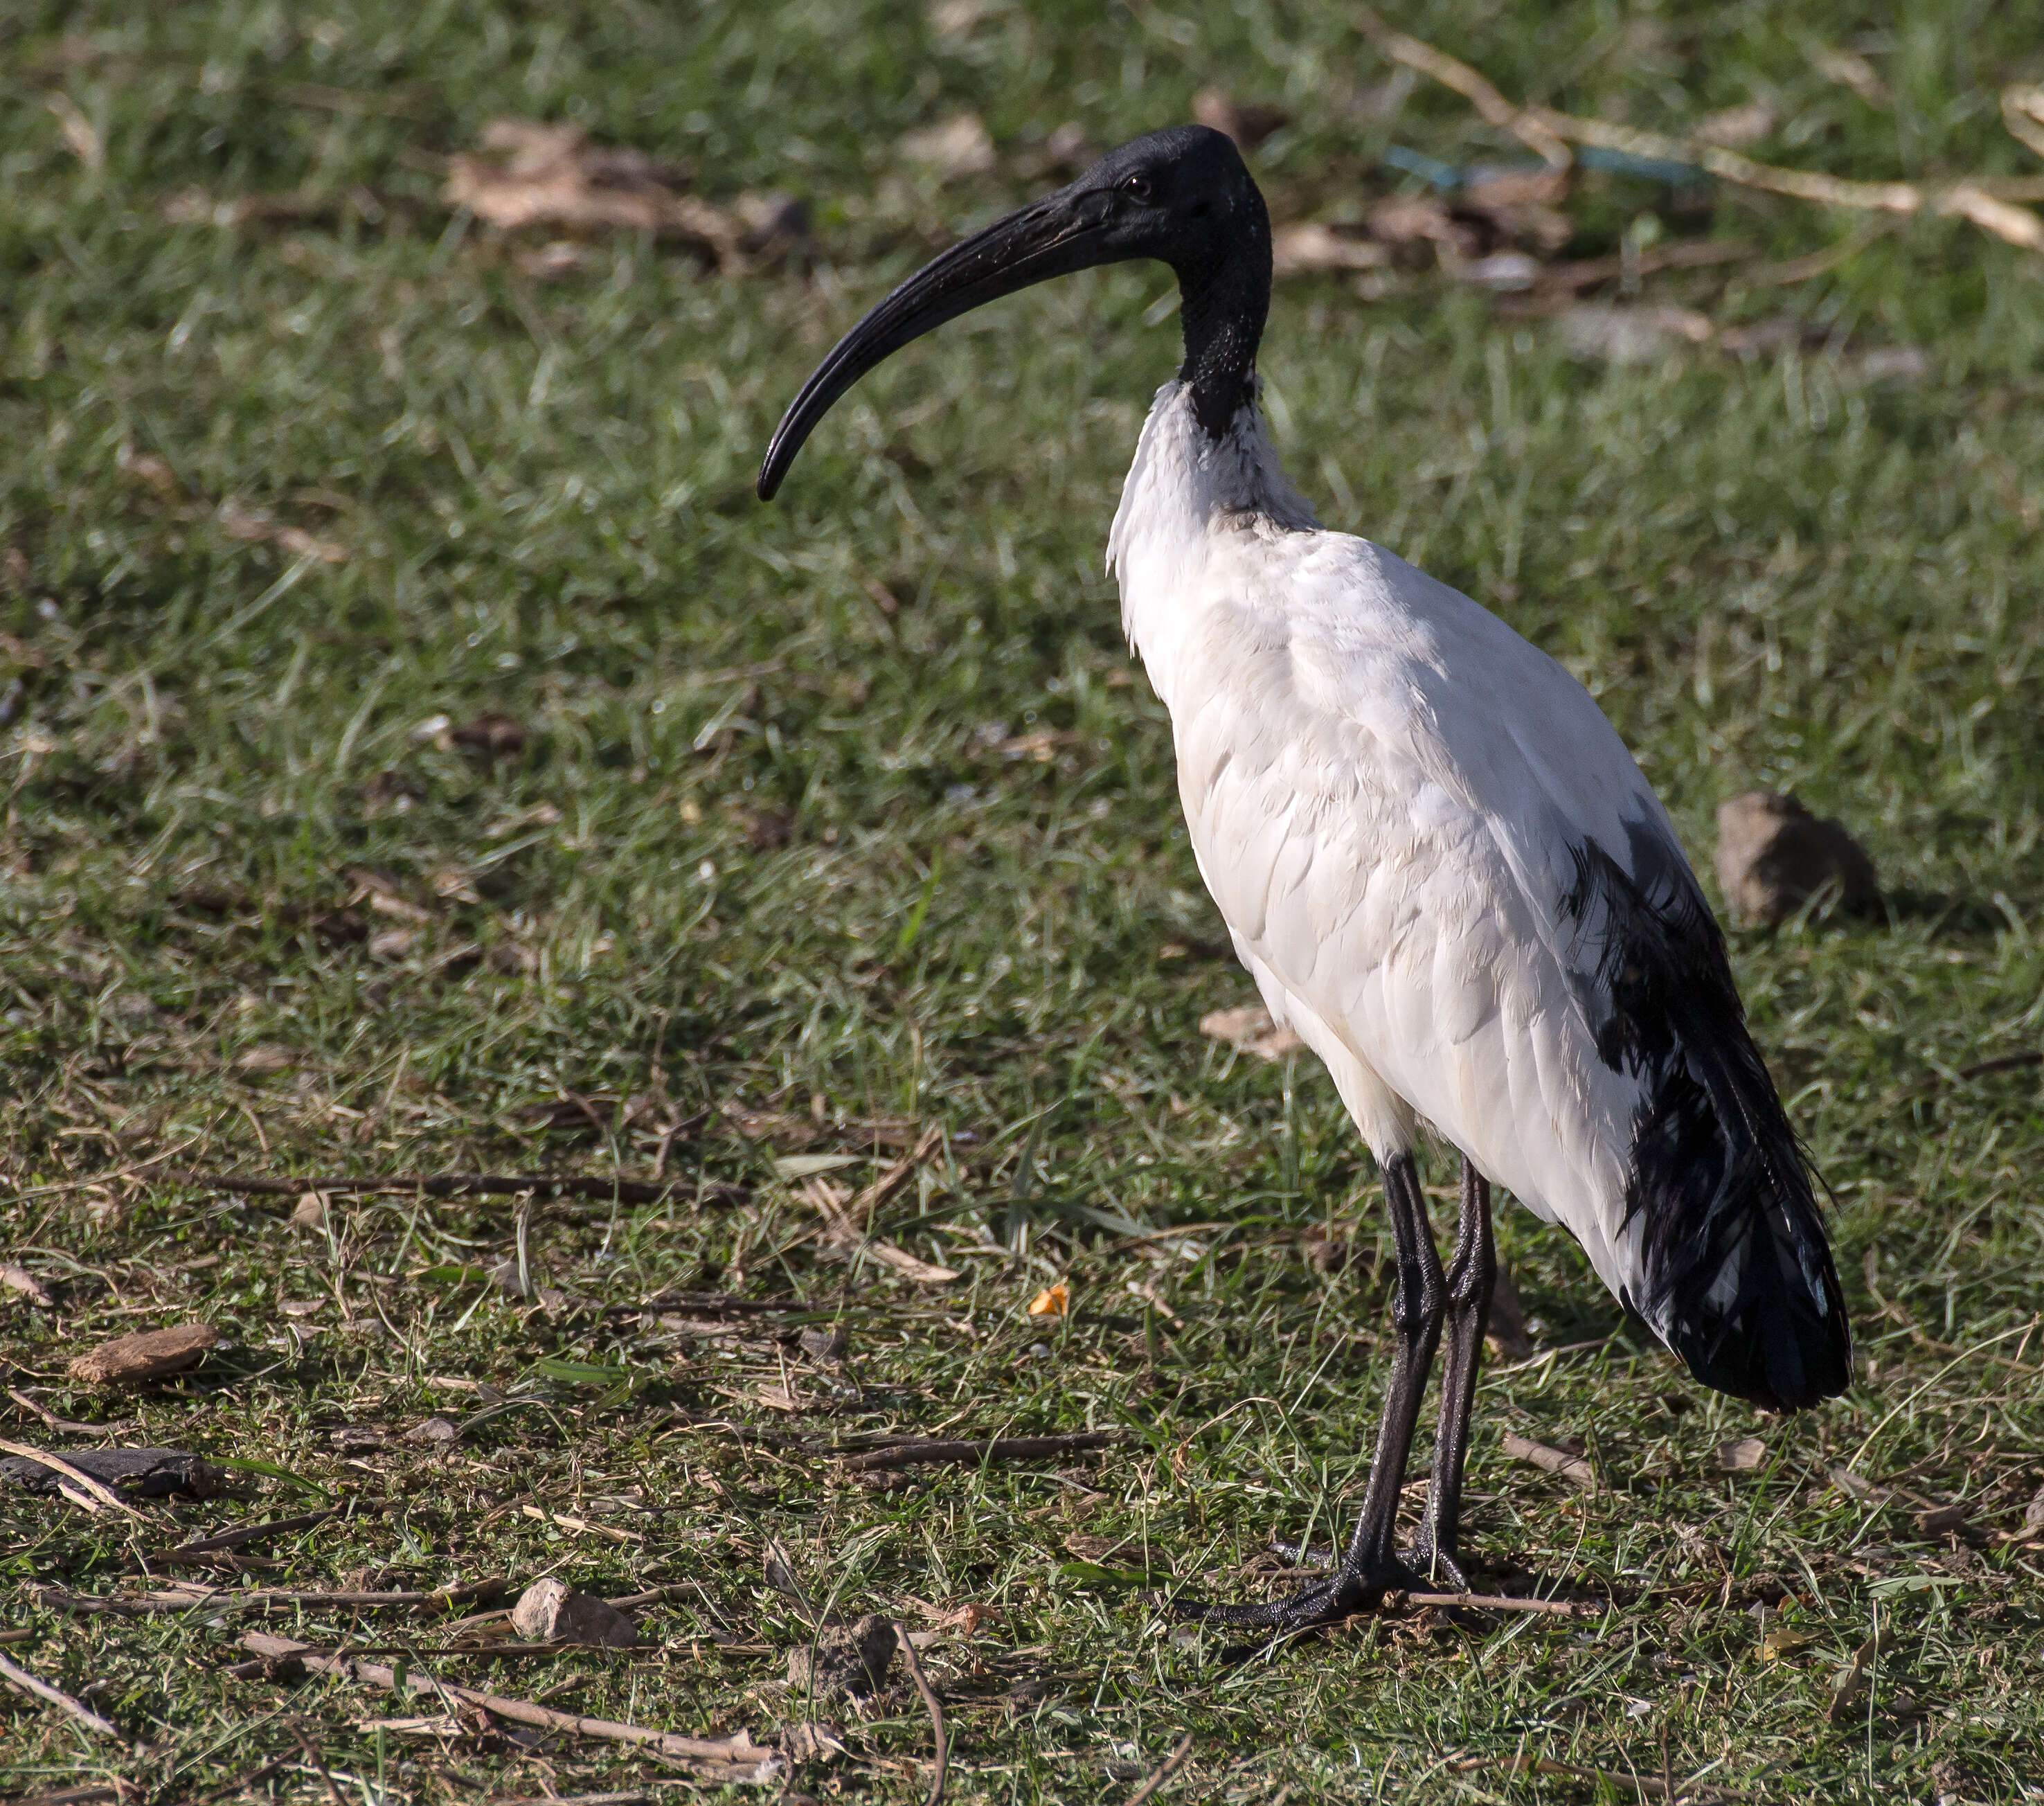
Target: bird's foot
1437,1569
1345,1589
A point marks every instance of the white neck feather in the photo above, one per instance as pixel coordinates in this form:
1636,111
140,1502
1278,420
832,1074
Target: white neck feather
1188,501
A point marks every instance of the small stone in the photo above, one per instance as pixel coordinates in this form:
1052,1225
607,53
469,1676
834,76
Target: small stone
550,1611
844,1661
1773,856
437,1428
147,1355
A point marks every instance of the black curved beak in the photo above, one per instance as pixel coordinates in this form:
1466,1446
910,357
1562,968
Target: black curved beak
1064,232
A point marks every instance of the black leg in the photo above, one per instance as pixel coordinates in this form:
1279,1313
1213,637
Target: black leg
1371,1565
1472,1271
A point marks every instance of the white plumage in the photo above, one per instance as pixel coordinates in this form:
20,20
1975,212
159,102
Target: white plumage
1383,783
1434,855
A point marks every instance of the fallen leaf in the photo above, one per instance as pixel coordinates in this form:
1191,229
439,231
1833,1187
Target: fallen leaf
1250,1029
825,1344
1845,1691
531,173
1864,1490
266,1060
238,523
492,735
311,1212
1411,220
19,1279
1052,1302
1742,1456
1325,1253
393,944
79,132
817,1741
959,147
146,468
1778,1640
1248,124
1623,335
1297,250
147,1355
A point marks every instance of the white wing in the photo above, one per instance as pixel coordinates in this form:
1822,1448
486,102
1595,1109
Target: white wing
1384,786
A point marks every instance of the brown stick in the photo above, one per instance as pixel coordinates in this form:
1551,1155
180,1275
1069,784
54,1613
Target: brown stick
1494,1602
890,1182
933,1706
445,1185
64,1426
1572,1468
195,1598
43,1690
1549,133
737,1753
1148,1790
1000,1448
254,1778
242,1535
1589,272
1451,73
57,1465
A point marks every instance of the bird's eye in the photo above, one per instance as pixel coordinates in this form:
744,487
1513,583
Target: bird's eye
1136,187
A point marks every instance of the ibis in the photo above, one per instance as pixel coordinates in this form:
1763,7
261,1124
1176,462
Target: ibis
1437,859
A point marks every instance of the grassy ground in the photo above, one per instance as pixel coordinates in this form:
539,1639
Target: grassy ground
778,857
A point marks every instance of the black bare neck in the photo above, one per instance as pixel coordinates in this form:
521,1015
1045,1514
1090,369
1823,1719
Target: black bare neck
1223,300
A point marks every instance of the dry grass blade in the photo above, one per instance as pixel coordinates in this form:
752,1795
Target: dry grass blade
933,1706
736,1759
20,1677
1170,1766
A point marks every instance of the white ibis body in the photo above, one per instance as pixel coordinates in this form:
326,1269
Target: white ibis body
1434,855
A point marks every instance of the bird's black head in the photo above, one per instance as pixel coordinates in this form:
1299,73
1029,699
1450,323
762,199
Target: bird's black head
1181,197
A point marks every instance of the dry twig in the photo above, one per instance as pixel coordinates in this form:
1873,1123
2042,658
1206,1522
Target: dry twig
1171,1765
43,1690
998,1448
1572,1468
936,1708
736,1759
1549,133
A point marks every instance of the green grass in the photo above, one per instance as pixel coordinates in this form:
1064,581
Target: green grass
762,847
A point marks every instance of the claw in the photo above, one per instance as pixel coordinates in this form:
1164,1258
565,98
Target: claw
1437,1569
1344,1591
